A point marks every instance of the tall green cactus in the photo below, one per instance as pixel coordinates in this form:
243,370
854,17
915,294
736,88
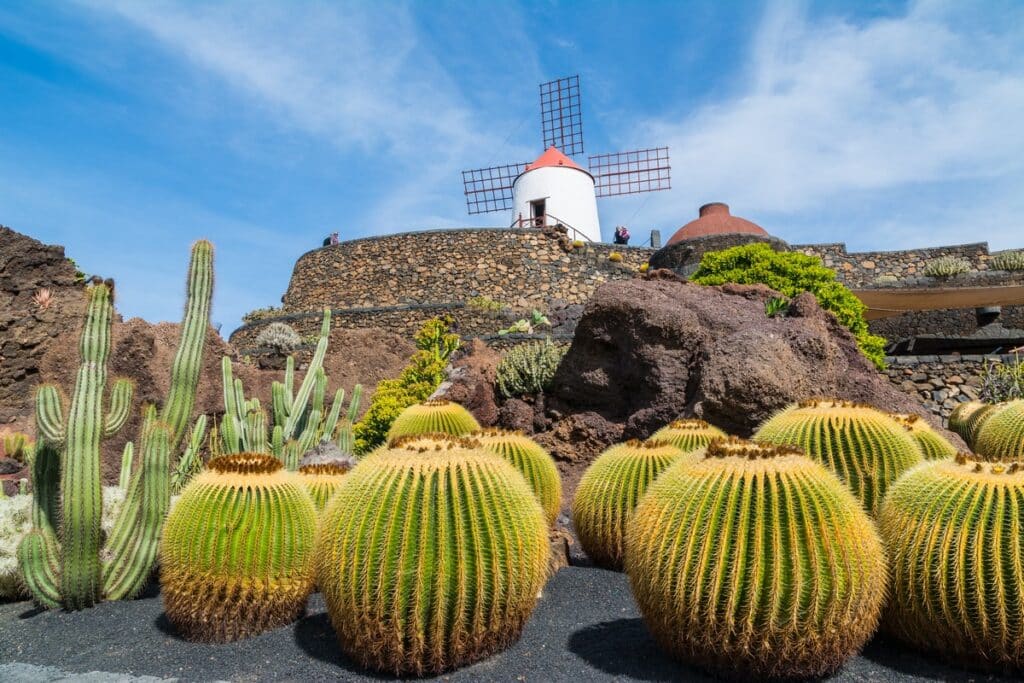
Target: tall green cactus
64,563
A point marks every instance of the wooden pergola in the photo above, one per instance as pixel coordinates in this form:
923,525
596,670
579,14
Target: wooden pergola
887,303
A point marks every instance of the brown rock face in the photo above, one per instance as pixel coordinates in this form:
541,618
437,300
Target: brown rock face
649,351
471,382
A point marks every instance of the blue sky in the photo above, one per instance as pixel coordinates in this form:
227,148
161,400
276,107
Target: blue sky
128,129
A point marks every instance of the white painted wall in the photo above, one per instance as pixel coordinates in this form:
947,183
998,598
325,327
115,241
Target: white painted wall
569,195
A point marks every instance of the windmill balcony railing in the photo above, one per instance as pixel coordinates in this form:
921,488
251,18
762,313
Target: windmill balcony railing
548,221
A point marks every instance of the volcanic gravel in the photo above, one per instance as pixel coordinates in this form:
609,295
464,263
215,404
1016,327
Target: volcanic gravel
586,628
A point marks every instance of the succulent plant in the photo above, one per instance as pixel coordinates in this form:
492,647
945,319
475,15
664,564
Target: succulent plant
755,562
433,416
864,446
688,434
610,489
954,530
237,550
529,368
1008,260
530,458
1000,435
323,481
933,445
947,266
279,336
961,415
465,555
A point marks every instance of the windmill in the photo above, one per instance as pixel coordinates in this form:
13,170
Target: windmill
554,189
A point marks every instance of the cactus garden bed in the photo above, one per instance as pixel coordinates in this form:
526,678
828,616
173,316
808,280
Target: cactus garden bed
586,627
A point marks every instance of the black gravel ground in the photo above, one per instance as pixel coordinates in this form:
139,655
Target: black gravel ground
586,628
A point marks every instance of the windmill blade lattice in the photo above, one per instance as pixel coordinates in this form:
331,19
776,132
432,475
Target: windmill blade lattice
640,170
490,189
560,116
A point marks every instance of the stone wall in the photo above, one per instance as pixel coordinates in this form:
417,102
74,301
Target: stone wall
941,382
950,321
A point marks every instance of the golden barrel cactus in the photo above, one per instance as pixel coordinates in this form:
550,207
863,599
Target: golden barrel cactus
865,447
688,434
610,489
954,531
236,556
933,445
967,418
323,480
1001,435
431,557
755,562
433,416
532,461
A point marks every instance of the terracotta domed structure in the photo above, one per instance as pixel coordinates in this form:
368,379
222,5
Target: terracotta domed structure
715,219
714,229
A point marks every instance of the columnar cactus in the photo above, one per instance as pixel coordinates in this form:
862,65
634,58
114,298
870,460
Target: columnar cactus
430,557
1001,435
954,530
755,562
610,489
236,557
864,446
323,481
688,434
530,458
932,444
431,417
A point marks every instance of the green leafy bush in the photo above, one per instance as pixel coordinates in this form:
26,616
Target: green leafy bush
524,326
529,368
776,306
262,313
947,266
792,273
425,371
1009,260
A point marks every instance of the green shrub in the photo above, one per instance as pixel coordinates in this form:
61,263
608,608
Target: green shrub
485,303
262,313
524,326
425,371
529,368
776,306
1009,260
947,266
792,273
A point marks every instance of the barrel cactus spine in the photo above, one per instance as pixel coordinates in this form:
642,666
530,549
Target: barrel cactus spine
967,419
1000,436
932,444
755,562
688,434
610,489
237,550
434,416
532,461
323,481
865,447
467,555
953,530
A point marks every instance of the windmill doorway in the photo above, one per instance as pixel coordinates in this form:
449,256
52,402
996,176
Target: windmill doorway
537,209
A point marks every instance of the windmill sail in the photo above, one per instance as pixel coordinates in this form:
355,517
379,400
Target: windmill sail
560,117
621,173
490,189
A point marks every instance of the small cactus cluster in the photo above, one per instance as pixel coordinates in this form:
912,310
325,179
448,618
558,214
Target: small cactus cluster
755,562
947,266
532,461
688,434
866,448
237,550
610,489
1001,435
932,444
435,416
279,336
431,556
529,368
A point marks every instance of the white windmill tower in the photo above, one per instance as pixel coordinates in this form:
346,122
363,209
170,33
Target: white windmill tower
554,189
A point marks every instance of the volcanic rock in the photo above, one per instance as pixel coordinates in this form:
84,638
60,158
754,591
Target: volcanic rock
471,380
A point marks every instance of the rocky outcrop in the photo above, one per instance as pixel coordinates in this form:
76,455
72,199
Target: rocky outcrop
471,381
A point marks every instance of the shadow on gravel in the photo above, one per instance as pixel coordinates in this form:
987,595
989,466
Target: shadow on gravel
32,612
893,654
624,648
165,626
315,636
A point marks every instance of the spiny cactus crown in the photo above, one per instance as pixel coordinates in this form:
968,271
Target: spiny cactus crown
432,441
332,468
245,463
735,447
689,423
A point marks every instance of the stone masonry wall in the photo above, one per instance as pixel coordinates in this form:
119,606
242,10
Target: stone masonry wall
941,382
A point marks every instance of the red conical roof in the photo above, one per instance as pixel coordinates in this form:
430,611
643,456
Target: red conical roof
552,156
715,219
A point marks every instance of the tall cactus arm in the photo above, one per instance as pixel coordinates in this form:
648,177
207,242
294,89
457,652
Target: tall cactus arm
120,406
298,407
46,488
127,456
280,403
81,491
188,359
255,436
190,461
353,405
136,533
50,414
277,442
331,421
231,406
289,379
38,557
230,434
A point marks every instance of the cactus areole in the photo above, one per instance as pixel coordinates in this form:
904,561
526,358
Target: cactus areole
430,557
755,562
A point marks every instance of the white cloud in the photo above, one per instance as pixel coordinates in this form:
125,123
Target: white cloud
833,111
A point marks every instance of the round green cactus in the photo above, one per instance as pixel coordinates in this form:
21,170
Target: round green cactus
433,416
431,557
610,489
1000,436
960,415
933,445
954,530
322,481
755,562
527,456
688,434
864,446
236,554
